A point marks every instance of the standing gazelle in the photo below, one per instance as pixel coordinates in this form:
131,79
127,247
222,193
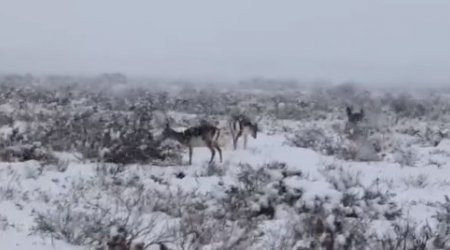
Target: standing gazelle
198,136
241,125
354,117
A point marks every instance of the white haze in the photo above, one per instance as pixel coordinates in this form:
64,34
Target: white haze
383,41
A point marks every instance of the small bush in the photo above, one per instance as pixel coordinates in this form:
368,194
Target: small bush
330,144
406,157
27,152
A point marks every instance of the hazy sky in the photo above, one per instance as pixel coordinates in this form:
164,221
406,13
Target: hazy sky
360,40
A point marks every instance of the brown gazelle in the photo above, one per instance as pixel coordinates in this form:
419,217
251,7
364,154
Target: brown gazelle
241,125
203,135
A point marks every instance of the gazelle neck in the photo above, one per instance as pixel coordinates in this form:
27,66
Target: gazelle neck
172,134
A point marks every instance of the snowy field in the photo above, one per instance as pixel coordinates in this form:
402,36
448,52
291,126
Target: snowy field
303,183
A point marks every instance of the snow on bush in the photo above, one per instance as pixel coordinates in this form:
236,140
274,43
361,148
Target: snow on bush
126,202
335,142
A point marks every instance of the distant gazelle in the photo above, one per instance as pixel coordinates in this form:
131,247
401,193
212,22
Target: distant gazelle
354,117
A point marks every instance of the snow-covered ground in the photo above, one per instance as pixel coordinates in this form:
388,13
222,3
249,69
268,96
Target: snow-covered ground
416,189
304,183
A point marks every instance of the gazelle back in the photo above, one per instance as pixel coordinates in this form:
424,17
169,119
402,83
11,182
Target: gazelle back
198,136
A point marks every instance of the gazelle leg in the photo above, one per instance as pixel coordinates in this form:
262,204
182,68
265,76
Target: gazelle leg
190,155
219,150
213,152
235,140
233,135
245,141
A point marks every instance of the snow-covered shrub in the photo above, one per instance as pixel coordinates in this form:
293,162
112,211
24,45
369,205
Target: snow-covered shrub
214,169
10,185
309,138
405,105
172,203
404,234
113,128
359,201
406,156
170,153
440,238
279,237
203,101
16,145
4,224
339,224
117,138
259,190
419,181
203,226
362,150
80,219
314,138
27,152
432,136
332,142
322,228
113,198
291,111
120,239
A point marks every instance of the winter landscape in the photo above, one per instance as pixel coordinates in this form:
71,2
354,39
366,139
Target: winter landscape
87,168
224,125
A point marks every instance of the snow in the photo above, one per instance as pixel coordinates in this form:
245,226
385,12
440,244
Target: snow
416,189
12,240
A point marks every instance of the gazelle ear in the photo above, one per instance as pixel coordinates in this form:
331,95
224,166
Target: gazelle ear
349,110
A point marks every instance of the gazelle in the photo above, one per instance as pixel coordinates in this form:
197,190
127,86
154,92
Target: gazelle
198,136
241,125
354,117
352,121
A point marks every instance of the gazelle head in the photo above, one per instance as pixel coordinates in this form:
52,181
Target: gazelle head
167,132
354,117
253,129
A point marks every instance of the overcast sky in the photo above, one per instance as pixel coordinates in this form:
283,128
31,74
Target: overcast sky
374,41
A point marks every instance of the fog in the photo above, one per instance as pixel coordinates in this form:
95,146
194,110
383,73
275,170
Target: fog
377,42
